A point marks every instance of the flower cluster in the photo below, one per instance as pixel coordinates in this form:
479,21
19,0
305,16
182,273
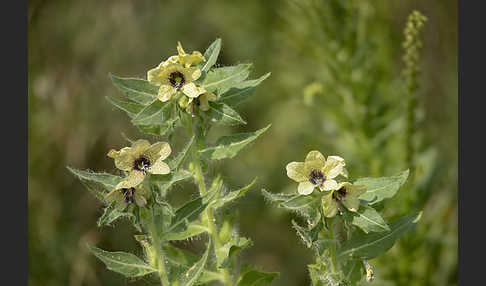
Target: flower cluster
177,75
318,172
137,161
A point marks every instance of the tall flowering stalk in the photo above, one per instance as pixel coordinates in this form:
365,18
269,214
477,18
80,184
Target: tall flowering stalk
183,91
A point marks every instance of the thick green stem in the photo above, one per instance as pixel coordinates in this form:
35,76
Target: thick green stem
159,254
332,250
208,213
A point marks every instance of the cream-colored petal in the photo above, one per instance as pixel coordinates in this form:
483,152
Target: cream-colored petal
158,75
314,161
132,180
296,171
333,167
165,92
180,50
160,168
124,159
191,74
305,188
191,90
329,206
329,185
156,151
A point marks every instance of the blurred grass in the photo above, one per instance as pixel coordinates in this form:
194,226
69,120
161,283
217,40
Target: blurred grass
73,45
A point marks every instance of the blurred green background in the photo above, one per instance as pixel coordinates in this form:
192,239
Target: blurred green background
351,49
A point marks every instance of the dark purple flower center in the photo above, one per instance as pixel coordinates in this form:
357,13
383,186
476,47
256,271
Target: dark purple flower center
141,164
129,194
316,177
177,79
197,101
339,194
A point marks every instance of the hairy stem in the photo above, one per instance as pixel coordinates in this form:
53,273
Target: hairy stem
208,213
332,250
159,254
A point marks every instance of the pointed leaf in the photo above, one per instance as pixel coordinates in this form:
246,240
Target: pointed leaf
378,189
252,277
192,274
211,55
231,196
111,214
156,118
229,146
123,262
372,244
241,91
220,80
193,229
138,90
369,220
223,114
165,182
232,247
130,108
108,181
186,214
176,163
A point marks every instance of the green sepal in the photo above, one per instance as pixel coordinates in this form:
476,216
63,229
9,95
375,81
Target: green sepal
229,249
229,146
110,214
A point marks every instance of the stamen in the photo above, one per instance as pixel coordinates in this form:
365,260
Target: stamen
129,194
141,164
177,79
316,177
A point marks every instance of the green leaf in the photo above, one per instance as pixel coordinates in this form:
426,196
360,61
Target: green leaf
378,189
369,220
211,55
111,214
156,118
372,244
193,273
180,261
165,182
229,249
306,206
229,146
252,277
241,91
220,80
130,108
223,114
176,163
184,215
108,181
122,262
231,196
138,90
193,229
353,271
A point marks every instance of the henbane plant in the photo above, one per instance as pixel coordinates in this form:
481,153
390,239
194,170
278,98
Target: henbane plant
341,223
184,91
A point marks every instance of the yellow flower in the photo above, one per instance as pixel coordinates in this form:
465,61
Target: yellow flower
202,101
125,196
184,59
316,171
140,159
174,77
347,194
